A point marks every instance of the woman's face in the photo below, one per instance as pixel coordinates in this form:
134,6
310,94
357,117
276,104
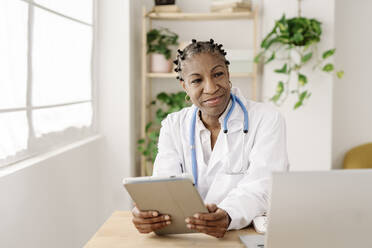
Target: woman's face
206,81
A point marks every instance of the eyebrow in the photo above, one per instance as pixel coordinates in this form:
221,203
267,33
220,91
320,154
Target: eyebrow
197,74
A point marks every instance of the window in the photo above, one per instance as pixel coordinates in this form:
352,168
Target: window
46,89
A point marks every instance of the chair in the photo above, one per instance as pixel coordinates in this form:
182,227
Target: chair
359,157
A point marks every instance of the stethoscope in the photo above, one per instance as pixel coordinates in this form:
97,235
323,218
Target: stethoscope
234,100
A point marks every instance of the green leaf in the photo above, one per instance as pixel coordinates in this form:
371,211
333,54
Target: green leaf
275,98
159,41
303,95
148,125
280,87
302,79
340,74
297,38
140,149
298,104
153,136
141,141
328,67
306,57
282,70
258,57
328,53
272,57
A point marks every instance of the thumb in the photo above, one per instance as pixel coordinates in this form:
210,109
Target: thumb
211,207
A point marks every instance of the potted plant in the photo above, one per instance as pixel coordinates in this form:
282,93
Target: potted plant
169,103
294,42
158,45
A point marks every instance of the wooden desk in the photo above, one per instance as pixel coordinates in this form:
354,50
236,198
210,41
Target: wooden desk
118,231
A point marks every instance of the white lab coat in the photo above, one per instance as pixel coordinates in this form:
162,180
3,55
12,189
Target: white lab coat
244,195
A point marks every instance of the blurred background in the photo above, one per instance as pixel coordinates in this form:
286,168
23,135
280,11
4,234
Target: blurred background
77,89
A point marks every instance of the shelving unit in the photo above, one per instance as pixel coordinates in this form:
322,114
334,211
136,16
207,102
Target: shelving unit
146,84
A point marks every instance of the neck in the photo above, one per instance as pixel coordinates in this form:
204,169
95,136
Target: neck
210,122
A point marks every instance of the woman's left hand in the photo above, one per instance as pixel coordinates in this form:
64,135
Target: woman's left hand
214,223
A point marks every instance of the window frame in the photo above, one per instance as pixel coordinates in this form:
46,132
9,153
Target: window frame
29,108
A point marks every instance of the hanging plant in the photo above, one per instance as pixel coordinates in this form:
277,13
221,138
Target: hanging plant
294,42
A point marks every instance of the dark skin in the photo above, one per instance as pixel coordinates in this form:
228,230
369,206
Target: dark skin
149,221
206,81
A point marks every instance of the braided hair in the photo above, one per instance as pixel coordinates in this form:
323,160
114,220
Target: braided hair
197,47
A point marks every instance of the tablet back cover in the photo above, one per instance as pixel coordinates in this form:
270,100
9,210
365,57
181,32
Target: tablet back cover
178,198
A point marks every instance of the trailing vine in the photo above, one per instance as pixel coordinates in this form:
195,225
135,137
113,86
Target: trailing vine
294,42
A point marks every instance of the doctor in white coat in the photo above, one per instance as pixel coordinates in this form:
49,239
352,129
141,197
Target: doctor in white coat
237,144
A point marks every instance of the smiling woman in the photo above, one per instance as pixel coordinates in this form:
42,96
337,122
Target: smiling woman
231,169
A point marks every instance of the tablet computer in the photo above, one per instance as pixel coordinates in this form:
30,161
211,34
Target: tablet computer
174,195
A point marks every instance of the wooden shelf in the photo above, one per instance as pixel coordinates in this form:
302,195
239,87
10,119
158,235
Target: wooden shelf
200,16
174,75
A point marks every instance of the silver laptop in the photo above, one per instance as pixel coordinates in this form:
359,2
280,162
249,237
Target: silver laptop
326,209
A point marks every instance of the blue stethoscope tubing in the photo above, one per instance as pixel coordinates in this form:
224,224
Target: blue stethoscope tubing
234,100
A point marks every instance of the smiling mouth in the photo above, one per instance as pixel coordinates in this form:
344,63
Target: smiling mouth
213,101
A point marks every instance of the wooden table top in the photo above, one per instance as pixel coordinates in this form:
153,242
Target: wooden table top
119,231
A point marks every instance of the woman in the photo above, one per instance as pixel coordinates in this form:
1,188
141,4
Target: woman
232,167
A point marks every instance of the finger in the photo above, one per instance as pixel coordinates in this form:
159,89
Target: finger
162,218
155,226
206,229
211,207
219,214
220,223
144,214
143,230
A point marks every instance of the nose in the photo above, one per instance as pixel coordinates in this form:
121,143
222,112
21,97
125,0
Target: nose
210,86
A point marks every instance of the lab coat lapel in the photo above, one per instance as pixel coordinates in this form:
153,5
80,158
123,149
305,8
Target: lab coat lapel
234,124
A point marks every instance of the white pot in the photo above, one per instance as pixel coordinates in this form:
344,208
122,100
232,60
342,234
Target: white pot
160,64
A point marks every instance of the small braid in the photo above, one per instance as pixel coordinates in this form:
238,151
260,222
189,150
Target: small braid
197,47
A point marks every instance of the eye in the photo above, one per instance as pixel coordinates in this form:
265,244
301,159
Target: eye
196,81
218,74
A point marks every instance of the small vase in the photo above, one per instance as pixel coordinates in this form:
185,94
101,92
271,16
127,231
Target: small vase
160,64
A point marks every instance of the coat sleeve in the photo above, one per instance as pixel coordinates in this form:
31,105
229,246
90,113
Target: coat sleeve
269,153
168,160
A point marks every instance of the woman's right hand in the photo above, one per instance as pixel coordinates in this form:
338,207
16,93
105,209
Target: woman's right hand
149,221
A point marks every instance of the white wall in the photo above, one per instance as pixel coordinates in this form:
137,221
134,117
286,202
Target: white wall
352,116
53,203
62,199
309,129
115,102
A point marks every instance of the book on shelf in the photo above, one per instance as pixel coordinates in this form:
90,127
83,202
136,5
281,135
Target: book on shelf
231,6
232,10
242,2
171,8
